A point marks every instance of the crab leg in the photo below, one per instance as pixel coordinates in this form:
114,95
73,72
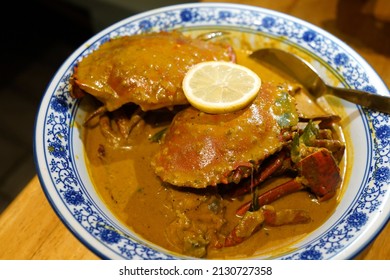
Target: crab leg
248,224
318,172
126,124
117,126
266,172
266,215
98,112
270,196
285,216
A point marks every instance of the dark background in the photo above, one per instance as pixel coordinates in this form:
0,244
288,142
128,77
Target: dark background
37,36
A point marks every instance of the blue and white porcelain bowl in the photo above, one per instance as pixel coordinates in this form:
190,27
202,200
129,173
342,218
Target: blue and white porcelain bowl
364,209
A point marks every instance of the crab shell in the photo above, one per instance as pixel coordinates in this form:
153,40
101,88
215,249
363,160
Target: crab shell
145,69
201,149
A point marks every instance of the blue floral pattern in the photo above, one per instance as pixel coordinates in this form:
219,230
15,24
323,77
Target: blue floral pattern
61,113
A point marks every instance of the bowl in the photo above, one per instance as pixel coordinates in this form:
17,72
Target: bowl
364,208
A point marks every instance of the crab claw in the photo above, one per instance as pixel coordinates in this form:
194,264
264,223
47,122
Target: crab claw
318,171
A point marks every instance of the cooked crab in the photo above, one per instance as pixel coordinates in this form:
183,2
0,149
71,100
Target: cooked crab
201,149
240,150
145,69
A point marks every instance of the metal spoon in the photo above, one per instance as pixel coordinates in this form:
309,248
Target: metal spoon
307,76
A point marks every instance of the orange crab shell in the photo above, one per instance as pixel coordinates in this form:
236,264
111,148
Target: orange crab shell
201,149
145,69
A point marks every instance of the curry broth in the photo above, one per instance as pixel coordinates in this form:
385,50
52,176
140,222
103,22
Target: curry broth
127,184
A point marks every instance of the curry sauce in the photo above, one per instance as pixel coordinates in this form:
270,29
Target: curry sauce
168,216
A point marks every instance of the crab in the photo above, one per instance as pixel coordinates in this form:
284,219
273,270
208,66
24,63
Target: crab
144,69
200,150
240,150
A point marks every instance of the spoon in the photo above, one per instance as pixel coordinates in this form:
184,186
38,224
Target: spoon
306,75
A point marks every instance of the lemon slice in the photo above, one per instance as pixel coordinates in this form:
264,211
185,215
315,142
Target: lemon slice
220,87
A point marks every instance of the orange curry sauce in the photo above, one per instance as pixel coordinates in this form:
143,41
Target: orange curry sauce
166,216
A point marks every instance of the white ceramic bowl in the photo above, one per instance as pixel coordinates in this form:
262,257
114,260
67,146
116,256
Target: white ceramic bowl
364,209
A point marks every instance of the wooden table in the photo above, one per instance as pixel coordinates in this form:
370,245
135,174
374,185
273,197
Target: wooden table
30,229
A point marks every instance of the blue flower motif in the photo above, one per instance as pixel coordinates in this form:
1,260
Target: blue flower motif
309,36
268,22
357,219
341,59
73,197
382,174
186,15
57,150
105,39
110,236
383,132
370,89
145,25
59,104
224,14
311,255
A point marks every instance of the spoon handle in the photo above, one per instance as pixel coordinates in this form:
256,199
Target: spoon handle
369,100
